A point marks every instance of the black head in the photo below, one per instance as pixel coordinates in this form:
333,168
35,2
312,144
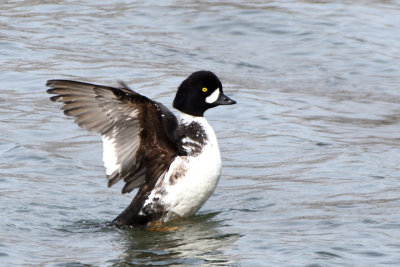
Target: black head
200,91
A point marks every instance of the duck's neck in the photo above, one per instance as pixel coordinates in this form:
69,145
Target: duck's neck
187,119
210,136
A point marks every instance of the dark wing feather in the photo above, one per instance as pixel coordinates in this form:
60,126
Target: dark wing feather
138,133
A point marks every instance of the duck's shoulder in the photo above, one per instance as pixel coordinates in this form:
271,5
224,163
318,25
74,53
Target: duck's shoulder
194,134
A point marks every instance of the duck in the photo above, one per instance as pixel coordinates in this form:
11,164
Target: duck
174,163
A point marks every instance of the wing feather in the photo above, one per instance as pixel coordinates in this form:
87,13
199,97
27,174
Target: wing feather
138,145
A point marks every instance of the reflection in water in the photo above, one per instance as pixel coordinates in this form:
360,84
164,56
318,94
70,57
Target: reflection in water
197,241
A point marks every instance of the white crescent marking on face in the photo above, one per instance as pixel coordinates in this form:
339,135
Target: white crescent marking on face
213,97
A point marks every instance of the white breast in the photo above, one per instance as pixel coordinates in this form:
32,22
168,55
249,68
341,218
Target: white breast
200,174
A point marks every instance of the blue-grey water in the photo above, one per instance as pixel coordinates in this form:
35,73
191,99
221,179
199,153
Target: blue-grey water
311,152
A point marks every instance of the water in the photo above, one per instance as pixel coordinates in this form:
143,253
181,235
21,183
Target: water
311,152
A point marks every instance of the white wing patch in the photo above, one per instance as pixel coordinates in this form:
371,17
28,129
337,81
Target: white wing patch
109,155
213,97
113,156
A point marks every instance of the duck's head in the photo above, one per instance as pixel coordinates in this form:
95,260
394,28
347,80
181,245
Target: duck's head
200,91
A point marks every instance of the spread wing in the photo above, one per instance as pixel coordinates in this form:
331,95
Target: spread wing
137,133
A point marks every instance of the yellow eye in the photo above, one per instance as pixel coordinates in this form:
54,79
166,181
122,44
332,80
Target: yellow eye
204,89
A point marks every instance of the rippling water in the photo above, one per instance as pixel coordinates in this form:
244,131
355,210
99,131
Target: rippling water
311,152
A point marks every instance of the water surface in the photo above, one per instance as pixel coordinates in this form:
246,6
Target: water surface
311,152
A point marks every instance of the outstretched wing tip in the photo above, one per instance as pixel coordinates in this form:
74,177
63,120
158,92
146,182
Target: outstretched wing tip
54,82
53,98
50,83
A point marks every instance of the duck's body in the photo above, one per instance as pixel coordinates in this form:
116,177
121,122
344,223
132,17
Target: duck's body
191,179
175,164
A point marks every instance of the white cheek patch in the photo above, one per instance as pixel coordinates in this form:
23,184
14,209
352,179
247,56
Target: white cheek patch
213,97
